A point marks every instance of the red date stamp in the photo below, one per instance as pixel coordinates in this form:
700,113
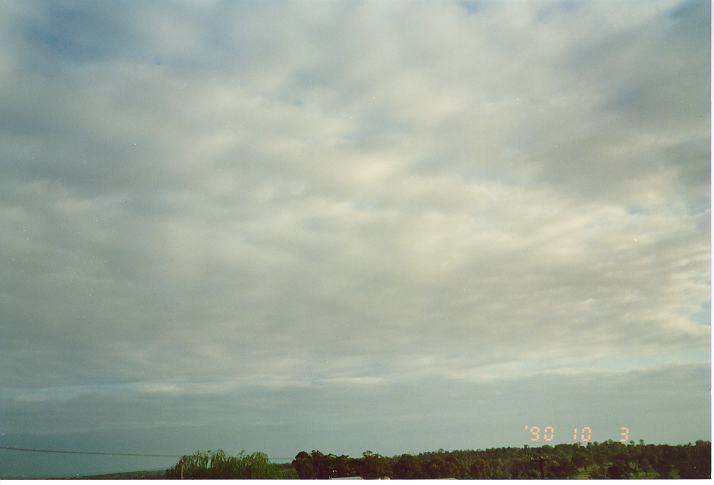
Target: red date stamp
582,434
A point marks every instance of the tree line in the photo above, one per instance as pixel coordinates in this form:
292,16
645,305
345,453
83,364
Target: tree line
595,460
609,459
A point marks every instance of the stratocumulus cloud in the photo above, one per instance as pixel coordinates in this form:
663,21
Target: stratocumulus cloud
255,201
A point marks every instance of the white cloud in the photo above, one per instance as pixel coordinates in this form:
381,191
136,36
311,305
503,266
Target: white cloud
350,194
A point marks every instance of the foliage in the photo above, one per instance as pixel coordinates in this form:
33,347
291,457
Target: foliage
596,460
216,464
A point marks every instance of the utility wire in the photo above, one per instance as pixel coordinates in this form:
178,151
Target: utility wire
104,453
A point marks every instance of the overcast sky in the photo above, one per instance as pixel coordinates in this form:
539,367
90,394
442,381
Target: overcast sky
395,226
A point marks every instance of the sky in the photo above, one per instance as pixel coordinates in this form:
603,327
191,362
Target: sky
390,226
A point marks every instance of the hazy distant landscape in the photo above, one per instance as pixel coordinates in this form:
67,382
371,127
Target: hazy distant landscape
396,226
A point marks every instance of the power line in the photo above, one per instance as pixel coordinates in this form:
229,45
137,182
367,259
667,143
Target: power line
104,453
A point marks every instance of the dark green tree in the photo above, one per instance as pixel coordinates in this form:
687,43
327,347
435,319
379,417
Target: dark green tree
479,469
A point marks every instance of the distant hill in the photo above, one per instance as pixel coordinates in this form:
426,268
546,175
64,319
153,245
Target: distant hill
140,475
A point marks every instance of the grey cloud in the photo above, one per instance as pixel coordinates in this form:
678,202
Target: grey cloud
347,195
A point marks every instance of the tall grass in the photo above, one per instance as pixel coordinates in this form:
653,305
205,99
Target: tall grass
216,464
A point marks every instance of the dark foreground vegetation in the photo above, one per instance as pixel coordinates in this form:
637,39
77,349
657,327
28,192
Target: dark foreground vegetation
594,460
